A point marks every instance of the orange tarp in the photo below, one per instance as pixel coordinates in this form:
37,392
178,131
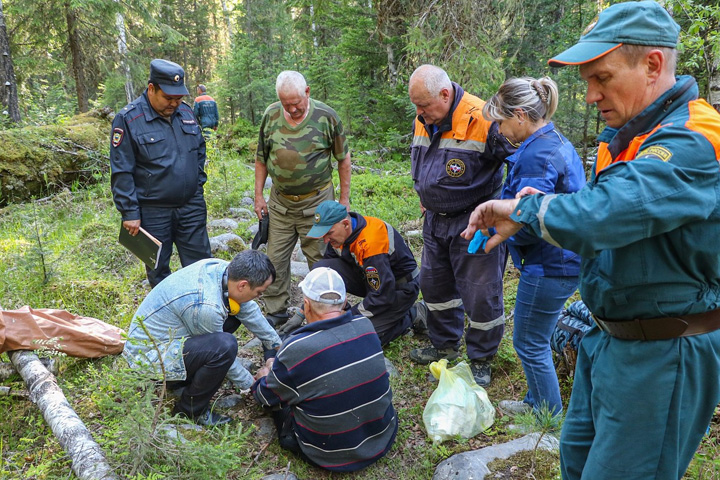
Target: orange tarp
59,330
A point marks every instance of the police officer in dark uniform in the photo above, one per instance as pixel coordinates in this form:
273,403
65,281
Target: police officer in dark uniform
157,158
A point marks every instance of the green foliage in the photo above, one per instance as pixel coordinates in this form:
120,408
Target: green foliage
140,447
699,39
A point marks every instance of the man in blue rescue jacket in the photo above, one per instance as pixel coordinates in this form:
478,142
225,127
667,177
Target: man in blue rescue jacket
646,225
375,264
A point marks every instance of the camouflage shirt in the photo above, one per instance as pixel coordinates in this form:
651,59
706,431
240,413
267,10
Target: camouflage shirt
299,158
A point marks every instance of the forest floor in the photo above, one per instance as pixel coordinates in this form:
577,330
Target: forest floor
62,252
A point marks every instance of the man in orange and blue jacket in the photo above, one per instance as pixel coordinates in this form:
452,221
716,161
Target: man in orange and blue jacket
205,109
457,159
375,264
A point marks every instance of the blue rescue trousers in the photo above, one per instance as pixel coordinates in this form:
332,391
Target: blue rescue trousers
639,409
454,281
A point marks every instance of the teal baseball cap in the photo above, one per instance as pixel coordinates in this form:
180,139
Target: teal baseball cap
632,23
327,214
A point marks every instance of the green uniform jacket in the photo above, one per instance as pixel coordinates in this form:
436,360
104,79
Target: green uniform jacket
648,224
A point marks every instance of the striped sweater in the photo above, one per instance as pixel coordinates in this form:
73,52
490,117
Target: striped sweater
332,374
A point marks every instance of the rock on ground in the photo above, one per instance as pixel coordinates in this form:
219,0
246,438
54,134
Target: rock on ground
244,213
227,242
392,371
225,223
280,476
299,269
473,465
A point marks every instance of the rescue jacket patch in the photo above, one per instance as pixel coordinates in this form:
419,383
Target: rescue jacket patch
455,167
373,277
656,151
118,134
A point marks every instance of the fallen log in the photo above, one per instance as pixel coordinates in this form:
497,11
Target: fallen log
88,461
7,370
10,392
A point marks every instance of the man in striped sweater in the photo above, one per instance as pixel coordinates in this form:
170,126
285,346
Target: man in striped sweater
328,383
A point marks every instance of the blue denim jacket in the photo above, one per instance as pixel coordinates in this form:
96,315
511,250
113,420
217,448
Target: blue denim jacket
188,303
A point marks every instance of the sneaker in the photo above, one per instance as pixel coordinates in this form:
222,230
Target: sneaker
278,318
513,407
481,371
212,419
418,315
426,355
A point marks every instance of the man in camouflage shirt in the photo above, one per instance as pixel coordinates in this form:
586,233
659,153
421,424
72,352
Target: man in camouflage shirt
299,137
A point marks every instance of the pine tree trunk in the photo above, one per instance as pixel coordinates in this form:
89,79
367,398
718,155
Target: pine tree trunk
88,461
9,95
77,60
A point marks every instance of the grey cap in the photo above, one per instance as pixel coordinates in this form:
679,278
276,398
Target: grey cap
169,76
323,280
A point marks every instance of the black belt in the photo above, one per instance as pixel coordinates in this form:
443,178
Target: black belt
455,214
662,328
408,278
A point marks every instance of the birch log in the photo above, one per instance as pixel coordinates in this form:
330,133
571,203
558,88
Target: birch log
88,461
7,370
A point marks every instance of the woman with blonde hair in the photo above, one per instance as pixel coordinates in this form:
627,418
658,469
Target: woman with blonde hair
545,162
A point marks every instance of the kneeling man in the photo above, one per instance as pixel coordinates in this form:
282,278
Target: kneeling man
375,263
184,329
330,383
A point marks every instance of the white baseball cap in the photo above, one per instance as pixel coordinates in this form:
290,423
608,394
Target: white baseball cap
323,280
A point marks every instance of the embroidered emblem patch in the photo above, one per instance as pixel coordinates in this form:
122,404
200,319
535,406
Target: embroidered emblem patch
455,167
373,277
661,153
317,218
117,137
189,122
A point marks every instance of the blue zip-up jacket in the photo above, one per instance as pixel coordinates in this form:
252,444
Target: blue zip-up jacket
647,225
546,160
154,162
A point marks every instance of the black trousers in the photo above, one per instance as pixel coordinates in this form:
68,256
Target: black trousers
185,227
207,360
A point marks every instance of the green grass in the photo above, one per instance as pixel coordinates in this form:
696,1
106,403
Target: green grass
63,253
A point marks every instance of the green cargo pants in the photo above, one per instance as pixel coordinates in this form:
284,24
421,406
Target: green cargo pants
290,220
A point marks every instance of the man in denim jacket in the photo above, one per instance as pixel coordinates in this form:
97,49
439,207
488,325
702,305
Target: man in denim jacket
188,321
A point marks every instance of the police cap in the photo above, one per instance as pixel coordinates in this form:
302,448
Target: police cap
169,76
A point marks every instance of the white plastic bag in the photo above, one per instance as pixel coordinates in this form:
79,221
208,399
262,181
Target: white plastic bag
458,406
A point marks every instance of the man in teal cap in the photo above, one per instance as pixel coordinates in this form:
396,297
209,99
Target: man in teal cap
646,382
375,264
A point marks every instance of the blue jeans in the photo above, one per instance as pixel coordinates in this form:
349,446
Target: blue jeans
537,307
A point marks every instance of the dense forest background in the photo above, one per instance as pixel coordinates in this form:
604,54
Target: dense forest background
61,57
